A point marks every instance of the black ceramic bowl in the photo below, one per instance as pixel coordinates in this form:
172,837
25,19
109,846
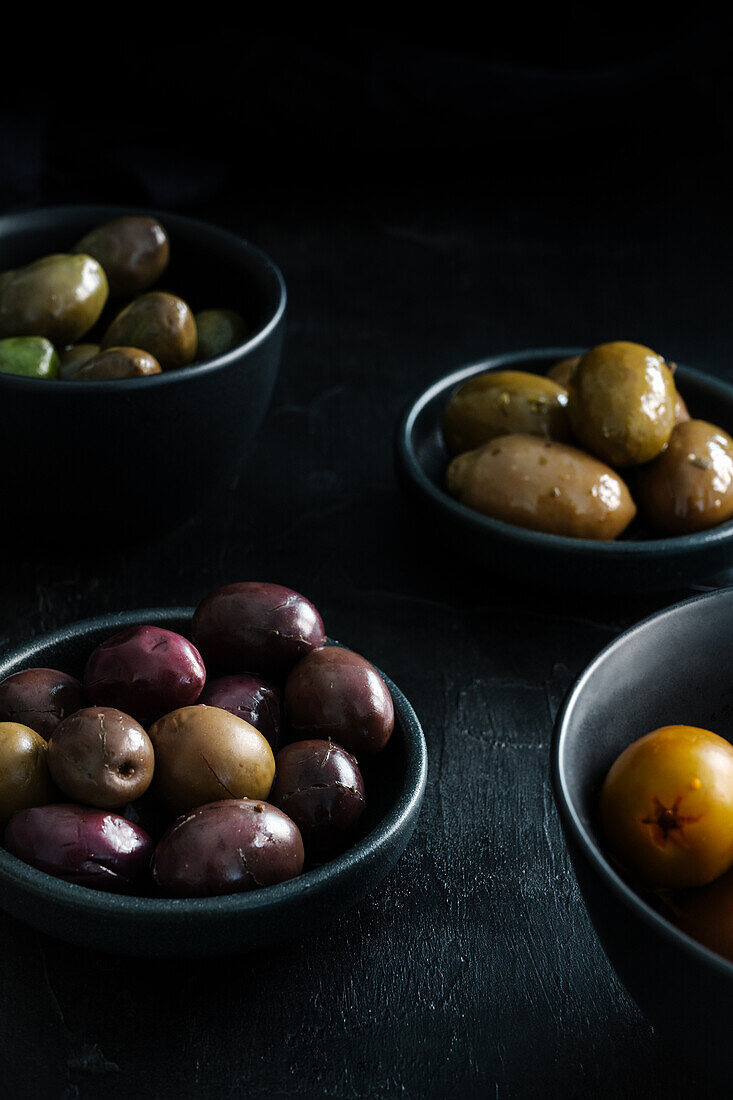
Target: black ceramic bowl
672,668
633,563
146,453
180,928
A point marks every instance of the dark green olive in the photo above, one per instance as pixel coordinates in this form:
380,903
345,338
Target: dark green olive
133,251
118,363
219,330
31,356
59,297
157,322
75,356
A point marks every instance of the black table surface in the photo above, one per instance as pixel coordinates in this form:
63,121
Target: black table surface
473,969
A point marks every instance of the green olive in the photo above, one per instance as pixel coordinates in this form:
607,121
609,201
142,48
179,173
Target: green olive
59,297
563,371
219,331
133,251
622,403
501,403
24,777
157,322
75,356
118,363
31,356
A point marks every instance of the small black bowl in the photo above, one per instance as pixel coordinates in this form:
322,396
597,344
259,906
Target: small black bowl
144,453
631,564
189,927
673,668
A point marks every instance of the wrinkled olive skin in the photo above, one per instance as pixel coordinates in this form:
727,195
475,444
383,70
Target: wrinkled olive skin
89,847
543,486
159,323
29,356
133,250
248,697
666,807
500,403
39,698
24,776
563,371
219,330
335,694
622,402
101,757
228,847
706,914
319,785
256,627
117,363
203,754
690,486
59,297
75,356
146,671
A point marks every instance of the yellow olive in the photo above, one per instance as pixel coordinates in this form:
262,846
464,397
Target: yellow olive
25,780
59,297
503,402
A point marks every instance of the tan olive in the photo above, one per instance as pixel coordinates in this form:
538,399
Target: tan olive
118,363
622,403
133,251
690,486
543,485
25,780
157,322
204,754
75,356
563,371
59,297
503,402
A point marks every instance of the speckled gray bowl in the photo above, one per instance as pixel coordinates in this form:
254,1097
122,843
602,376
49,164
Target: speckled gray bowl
182,928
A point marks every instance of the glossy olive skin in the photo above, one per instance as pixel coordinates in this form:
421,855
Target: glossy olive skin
681,412
204,754
219,330
706,914
146,671
543,486
29,356
159,323
133,250
59,297
622,402
319,785
256,627
564,370
690,486
94,848
500,403
228,847
75,356
101,757
335,694
118,363
24,776
248,697
39,698
666,807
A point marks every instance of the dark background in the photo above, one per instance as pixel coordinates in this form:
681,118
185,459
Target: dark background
430,199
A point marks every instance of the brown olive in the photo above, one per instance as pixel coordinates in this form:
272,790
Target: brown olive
563,371
159,323
75,356
24,775
681,412
133,250
115,363
101,757
501,402
319,785
39,698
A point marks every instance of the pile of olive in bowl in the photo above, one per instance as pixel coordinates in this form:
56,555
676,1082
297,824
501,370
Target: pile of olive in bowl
91,315
194,768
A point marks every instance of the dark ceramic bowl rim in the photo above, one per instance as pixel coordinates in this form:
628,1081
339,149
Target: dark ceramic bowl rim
12,222
71,896
572,820
624,549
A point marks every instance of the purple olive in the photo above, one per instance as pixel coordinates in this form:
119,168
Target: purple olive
319,785
227,848
336,694
256,627
39,698
248,697
89,847
102,757
145,671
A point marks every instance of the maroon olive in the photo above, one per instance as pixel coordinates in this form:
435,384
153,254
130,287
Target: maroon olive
226,848
145,671
256,627
336,694
319,785
39,698
248,697
102,757
89,847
